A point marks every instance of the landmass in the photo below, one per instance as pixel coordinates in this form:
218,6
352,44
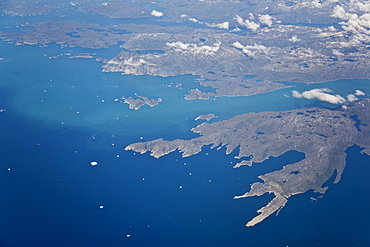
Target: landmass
238,48
136,104
244,48
65,33
243,163
81,56
207,117
118,9
25,9
323,135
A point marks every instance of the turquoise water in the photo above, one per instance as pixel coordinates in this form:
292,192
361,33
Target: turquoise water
56,123
71,91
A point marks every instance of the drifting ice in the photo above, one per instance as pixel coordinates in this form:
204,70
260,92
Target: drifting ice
93,163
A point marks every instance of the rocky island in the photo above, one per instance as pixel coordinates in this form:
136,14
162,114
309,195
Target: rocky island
140,101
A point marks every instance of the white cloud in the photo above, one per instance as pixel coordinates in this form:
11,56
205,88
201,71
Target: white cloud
354,21
339,12
193,20
251,25
359,93
351,97
236,29
156,13
296,94
320,94
224,25
194,48
178,45
239,20
247,23
337,53
265,19
135,63
238,45
316,4
294,39
251,50
364,7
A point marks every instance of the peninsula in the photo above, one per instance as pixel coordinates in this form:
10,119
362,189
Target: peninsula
322,134
207,117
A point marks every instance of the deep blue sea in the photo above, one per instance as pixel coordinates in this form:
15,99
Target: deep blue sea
61,115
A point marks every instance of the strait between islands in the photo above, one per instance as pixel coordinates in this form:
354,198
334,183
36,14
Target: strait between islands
322,134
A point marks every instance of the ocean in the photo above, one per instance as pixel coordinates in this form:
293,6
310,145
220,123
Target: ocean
51,196
61,115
